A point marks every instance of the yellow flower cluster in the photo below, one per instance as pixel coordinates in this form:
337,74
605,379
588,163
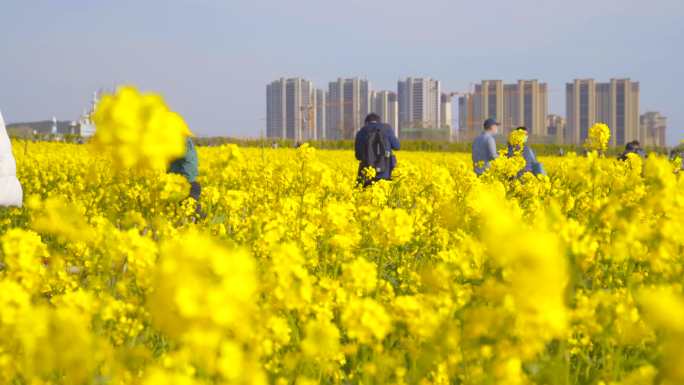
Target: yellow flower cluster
598,137
298,276
138,130
517,138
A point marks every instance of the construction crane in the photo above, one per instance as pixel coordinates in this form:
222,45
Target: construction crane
308,116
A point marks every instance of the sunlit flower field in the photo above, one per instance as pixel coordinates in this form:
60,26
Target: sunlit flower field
291,274
296,276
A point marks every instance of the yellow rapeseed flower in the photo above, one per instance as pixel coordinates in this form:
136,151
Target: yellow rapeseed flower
138,129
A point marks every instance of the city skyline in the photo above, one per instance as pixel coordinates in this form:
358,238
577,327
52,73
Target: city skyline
523,103
419,109
212,72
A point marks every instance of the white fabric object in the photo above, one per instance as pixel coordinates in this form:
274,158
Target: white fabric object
10,189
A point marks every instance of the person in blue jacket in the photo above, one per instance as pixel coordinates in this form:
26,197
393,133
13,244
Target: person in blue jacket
531,163
372,122
188,166
633,147
484,147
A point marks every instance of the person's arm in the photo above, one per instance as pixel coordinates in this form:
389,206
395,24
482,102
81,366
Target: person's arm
491,148
192,161
394,141
529,155
537,167
358,146
188,165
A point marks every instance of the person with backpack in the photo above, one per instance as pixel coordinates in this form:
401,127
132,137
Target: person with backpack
531,163
11,193
484,147
373,146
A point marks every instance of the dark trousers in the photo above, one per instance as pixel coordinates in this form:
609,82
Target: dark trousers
195,192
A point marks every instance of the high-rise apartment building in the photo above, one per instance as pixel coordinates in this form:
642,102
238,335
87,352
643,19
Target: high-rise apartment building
290,109
524,103
555,128
618,107
580,109
419,104
467,125
386,104
615,103
347,106
488,101
275,109
321,123
446,112
653,129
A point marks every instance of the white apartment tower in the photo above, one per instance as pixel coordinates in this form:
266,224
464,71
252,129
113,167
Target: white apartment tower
419,103
386,104
349,101
321,104
291,109
653,129
446,111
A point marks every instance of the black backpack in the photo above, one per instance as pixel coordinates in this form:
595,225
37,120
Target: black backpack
377,150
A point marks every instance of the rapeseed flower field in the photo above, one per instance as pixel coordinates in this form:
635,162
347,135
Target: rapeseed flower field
298,276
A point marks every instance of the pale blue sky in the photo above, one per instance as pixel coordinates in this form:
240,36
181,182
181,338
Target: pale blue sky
212,59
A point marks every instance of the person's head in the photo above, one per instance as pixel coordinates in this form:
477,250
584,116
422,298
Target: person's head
630,146
491,125
636,144
524,129
372,118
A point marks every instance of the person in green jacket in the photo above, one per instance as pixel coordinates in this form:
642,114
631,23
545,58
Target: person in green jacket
188,166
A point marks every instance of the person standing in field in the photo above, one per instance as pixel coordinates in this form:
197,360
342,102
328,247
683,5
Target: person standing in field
629,149
11,193
633,147
188,167
531,163
638,149
374,146
484,147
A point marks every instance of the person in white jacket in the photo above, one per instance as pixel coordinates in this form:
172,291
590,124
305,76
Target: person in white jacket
10,189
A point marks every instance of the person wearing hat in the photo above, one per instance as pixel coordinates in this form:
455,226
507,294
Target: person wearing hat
11,193
484,147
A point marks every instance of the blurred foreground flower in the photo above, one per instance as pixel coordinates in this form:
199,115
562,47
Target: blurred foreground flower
138,130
